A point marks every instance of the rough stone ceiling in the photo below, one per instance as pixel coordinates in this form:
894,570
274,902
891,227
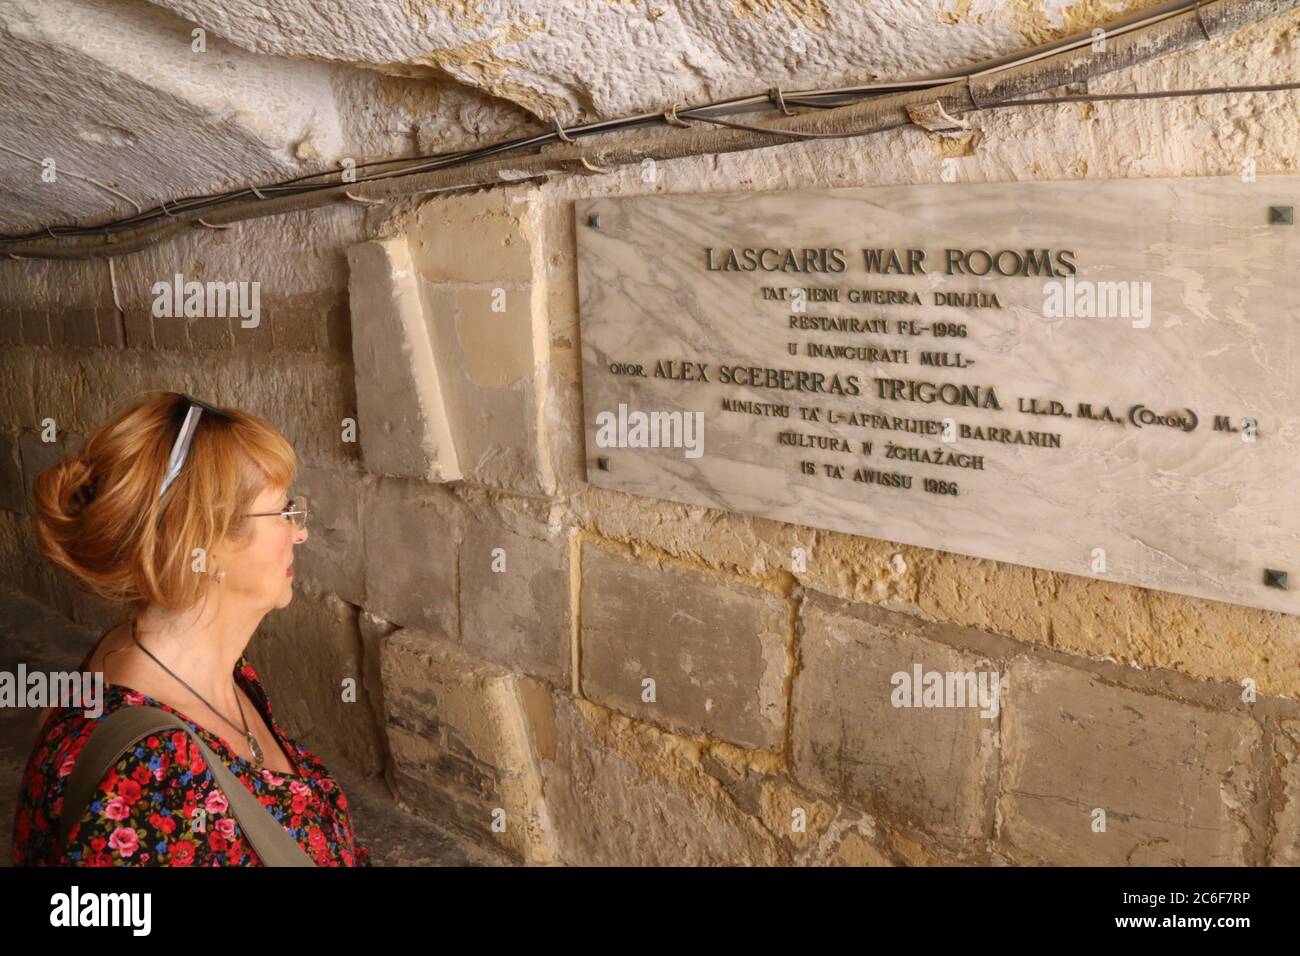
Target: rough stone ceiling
113,89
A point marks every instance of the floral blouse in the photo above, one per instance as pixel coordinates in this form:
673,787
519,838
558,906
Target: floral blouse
159,806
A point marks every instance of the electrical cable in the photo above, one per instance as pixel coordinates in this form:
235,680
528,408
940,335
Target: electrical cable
812,99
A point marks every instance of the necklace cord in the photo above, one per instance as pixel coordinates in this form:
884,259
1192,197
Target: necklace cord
253,745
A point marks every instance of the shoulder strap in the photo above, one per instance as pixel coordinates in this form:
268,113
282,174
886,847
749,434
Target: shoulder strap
119,731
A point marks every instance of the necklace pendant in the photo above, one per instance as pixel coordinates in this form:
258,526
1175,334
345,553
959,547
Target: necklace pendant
256,748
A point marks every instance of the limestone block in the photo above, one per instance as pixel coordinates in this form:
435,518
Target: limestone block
112,327
299,322
331,557
820,833
931,767
797,816
449,338
138,328
514,598
856,849
1176,781
211,332
1285,850
304,396
491,389
411,535
37,455
465,738
171,334
753,546
75,327
715,649
36,327
309,655
402,416
11,313
17,398
20,563
484,237
13,491
623,793
374,631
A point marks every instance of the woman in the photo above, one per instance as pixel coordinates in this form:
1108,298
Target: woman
181,512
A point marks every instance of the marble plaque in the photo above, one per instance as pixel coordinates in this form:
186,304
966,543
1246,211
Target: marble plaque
1096,377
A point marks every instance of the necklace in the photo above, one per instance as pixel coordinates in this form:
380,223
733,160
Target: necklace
253,745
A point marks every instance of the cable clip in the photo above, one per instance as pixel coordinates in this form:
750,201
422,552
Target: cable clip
559,130
592,167
202,222
671,116
256,192
1201,20
933,118
363,200
777,97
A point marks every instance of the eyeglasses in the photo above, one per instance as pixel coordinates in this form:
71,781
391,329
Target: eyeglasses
295,511
181,447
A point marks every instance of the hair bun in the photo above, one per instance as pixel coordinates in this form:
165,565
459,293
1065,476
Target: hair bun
83,494
76,483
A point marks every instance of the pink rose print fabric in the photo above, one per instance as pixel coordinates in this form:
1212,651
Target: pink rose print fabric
159,806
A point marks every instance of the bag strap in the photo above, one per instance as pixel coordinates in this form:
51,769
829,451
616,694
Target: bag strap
119,731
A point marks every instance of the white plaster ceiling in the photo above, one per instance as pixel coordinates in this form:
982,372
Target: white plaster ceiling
112,89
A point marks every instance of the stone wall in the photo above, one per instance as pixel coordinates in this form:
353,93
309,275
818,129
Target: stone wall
501,618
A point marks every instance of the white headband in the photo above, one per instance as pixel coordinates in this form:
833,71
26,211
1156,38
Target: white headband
181,448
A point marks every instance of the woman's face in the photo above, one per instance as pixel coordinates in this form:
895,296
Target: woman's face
260,572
